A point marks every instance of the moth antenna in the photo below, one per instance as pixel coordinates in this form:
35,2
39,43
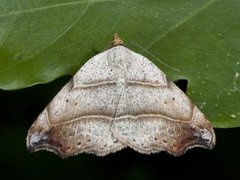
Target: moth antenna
145,50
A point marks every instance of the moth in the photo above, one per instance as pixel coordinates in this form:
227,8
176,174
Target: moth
120,99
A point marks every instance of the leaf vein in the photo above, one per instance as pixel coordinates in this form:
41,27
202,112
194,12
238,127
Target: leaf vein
50,7
54,40
178,24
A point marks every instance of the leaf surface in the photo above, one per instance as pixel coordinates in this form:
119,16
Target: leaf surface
194,40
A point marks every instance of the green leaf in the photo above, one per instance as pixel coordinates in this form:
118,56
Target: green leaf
43,40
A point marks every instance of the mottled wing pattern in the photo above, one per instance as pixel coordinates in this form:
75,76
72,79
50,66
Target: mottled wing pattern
153,114
119,99
80,116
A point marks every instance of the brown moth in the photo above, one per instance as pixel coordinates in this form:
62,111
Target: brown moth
120,99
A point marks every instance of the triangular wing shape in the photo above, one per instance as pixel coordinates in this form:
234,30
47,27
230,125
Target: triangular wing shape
119,99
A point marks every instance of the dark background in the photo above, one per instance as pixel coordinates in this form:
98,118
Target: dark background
18,110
